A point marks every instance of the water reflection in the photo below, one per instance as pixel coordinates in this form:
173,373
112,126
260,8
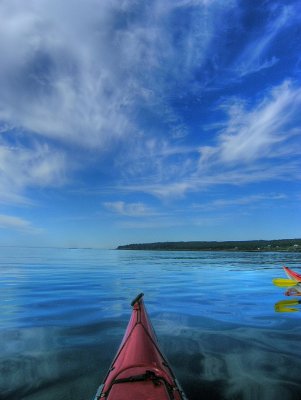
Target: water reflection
63,314
292,305
45,363
293,289
235,362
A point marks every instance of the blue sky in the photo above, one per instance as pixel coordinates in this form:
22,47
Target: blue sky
137,121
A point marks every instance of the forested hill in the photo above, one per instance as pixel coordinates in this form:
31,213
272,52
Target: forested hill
251,245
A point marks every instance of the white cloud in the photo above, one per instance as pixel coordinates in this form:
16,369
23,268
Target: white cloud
162,190
258,143
251,200
156,160
23,168
84,69
87,72
255,56
129,209
261,132
216,175
16,223
63,82
84,73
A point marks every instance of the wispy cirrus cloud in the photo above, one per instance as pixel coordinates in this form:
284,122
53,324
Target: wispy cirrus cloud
97,75
126,88
257,54
129,209
25,167
62,83
214,177
17,224
79,80
252,200
257,143
261,132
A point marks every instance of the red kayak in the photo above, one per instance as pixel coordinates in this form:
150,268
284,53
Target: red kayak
292,275
139,370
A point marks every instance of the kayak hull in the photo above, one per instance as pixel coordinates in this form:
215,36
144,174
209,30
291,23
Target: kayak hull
139,370
292,274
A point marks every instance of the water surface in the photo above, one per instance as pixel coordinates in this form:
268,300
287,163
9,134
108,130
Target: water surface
63,313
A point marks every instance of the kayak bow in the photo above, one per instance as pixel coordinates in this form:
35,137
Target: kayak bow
292,274
139,370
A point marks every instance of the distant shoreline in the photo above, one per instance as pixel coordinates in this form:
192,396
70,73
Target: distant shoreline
280,245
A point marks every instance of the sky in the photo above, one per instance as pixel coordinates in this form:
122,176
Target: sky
128,121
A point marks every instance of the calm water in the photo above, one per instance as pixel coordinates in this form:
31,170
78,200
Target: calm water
63,313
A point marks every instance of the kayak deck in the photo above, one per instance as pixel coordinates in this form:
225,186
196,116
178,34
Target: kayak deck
139,370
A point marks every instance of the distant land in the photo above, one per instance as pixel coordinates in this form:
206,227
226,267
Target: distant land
249,245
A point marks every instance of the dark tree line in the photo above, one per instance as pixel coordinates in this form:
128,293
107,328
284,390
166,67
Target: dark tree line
250,245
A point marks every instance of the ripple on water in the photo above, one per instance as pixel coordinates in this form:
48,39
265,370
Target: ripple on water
64,312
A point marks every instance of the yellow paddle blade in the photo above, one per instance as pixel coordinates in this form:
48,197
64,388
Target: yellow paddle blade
282,282
286,306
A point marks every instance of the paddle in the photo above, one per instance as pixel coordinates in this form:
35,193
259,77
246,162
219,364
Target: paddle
282,282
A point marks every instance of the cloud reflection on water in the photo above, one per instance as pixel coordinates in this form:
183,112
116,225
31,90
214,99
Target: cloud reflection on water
213,314
234,362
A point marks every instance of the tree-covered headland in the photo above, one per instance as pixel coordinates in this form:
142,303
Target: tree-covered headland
249,245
